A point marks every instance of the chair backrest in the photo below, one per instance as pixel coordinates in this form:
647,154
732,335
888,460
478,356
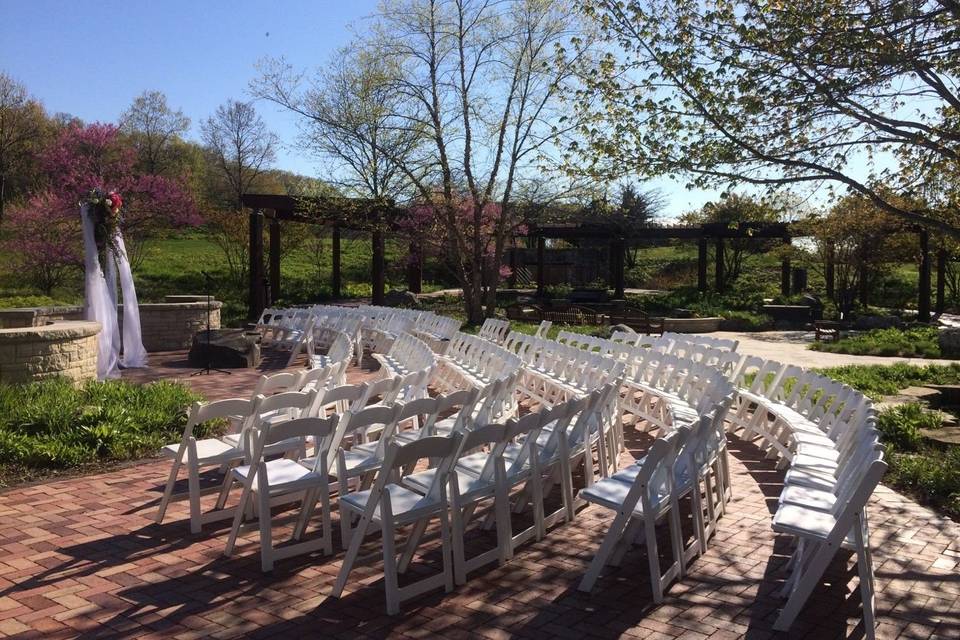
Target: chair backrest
225,409
384,416
320,429
289,402
654,482
284,381
347,396
399,457
543,328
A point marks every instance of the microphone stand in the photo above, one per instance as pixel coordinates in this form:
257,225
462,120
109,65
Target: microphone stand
206,369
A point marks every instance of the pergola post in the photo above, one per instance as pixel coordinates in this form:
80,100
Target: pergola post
255,302
941,279
336,282
512,281
379,278
702,264
618,268
785,271
415,268
541,246
923,303
274,259
718,267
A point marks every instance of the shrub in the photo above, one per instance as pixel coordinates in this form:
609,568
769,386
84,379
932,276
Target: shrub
883,380
900,426
745,321
54,425
916,342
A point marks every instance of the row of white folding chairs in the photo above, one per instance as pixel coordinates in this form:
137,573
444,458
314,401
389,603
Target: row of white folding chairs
436,330
683,462
408,354
313,394
825,432
555,372
486,463
697,338
776,401
494,330
470,361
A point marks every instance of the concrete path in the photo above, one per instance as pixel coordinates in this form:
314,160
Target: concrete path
791,347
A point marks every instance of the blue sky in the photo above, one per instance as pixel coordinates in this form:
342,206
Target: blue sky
91,58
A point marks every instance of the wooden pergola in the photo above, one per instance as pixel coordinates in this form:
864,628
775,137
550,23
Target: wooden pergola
619,235
352,214
379,218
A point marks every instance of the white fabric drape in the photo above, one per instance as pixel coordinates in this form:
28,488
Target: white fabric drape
100,292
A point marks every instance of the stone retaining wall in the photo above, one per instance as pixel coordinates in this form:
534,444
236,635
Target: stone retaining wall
165,326
67,348
691,325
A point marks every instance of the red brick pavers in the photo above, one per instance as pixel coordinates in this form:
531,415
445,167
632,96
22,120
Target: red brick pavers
83,558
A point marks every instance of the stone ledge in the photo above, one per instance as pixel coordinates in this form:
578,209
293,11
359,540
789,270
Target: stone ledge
66,330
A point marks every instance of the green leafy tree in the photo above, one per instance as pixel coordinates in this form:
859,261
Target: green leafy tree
777,93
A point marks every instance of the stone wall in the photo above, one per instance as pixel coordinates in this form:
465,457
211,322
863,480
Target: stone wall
165,326
67,348
691,325
170,326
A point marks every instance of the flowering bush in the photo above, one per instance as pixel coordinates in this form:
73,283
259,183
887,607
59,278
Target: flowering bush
45,231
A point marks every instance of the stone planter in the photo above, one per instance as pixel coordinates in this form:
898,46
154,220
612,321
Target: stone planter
66,348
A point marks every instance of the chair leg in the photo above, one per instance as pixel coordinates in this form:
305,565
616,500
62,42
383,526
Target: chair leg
325,520
445,545
865,569
610,540
653,558
168,490
237,520
265,522
225,489
193,483
412,543
804,586
459,560
390,564
501,510
307,506
353,549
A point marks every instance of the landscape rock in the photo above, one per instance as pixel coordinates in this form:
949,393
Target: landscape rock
949,339
619,327
228,349
401,298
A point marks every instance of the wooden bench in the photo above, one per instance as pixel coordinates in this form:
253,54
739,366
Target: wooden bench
829,330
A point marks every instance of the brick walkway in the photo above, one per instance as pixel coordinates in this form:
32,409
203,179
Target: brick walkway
83,558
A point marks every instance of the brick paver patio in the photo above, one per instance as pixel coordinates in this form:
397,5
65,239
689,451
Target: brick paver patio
83,558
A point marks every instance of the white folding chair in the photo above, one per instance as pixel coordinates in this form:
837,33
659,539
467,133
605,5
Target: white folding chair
392,505
280,477
205,452
640,504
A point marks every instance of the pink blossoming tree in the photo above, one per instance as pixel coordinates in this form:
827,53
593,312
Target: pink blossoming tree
45,231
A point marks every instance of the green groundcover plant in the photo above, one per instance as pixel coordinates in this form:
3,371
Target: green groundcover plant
917,342
54,425
927,470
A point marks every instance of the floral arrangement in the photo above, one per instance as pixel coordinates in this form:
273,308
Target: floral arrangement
107,208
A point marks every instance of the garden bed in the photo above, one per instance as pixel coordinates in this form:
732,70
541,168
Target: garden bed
918,342
52,427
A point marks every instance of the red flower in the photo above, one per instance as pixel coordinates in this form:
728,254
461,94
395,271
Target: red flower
115,200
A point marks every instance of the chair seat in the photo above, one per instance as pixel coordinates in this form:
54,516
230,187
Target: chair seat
818,499
827,452
407,505
612,493
467,486
813,478
804,522
360,461
282,474
233,439
209,451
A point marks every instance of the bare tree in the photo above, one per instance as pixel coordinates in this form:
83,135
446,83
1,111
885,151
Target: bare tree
241,145
153,126
484,81
21,125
